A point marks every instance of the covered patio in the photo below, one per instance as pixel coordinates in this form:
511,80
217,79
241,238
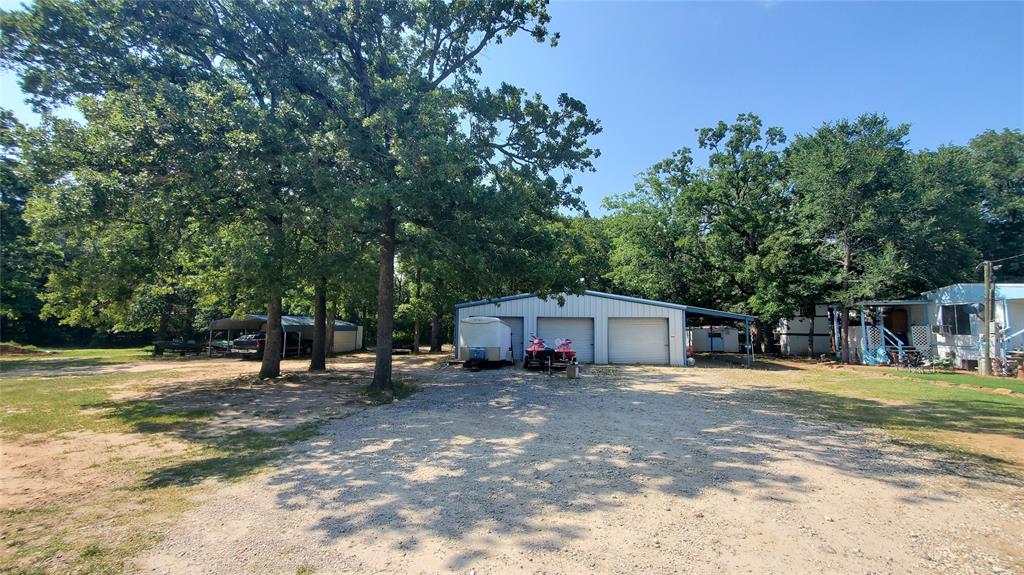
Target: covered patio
888,331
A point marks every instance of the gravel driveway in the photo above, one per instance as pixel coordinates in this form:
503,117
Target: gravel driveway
635,470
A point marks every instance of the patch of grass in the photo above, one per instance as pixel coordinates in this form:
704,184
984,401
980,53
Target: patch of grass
305,570
1015,385
942,416
121,516
91,550
400,389
69,541
60,404
60,358
153,417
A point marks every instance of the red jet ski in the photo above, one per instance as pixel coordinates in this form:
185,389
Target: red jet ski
538,354
564,353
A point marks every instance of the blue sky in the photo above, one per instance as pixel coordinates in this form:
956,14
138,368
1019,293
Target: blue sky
653,73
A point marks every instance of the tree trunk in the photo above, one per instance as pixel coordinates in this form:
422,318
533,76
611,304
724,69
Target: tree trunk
771,343
416,325
844,321
332,316
319,360
271,366
385,301
435,334
165,318
757,331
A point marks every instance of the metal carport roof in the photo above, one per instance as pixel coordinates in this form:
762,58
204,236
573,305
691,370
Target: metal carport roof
686,308
256,321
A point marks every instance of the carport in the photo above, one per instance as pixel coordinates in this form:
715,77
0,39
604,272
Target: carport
347,336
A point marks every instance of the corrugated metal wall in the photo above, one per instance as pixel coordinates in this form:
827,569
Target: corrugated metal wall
596,307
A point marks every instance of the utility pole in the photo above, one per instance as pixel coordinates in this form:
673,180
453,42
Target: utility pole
986,333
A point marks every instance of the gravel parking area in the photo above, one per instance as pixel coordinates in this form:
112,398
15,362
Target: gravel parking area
630,470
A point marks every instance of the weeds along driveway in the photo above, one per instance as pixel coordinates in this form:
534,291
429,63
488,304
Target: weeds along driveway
630,470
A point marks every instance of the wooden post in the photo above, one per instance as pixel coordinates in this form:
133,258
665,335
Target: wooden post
985,366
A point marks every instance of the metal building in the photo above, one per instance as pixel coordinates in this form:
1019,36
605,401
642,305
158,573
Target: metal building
604,328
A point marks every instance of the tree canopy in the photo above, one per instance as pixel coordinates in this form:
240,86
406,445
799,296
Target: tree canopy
344,159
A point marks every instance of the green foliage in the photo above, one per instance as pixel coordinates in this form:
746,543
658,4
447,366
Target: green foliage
719,236
842,214
998,158
19,263
235,154
289,142
851,181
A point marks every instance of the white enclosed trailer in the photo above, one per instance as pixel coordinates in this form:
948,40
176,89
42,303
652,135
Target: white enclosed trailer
485,339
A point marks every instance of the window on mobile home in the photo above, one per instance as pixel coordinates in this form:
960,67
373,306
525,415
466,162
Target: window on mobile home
957,318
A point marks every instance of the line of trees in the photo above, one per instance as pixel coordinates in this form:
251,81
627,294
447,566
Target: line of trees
842,214
341,159
238,154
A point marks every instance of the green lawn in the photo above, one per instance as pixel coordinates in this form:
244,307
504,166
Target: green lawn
59,404
1016,385
59,358
974,421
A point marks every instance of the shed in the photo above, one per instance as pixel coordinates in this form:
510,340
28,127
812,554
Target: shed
347,336
605,328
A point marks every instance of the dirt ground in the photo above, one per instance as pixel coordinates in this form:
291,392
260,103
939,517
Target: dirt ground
87,500
629,470
41,470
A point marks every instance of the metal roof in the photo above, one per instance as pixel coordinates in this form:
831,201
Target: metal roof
686,308
890,302
974,292
257,319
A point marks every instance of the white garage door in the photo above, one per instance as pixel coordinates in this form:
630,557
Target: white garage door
638,340
344,341
517,334
579,329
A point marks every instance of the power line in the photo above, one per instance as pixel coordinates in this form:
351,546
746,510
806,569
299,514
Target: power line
1008,258
999,260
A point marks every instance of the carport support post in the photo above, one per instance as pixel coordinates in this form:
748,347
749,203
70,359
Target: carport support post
750,346
209,346
685,342
863,338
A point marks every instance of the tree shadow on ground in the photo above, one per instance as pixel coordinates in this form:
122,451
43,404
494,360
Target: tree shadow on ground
721,360
505,451
56,367
237,425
